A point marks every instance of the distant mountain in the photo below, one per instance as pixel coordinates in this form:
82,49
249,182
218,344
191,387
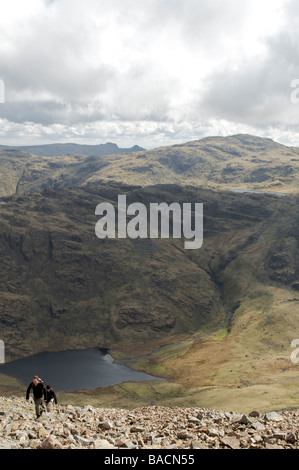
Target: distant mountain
50,150
234,162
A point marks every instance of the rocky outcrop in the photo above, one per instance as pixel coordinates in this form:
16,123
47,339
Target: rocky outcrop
152,427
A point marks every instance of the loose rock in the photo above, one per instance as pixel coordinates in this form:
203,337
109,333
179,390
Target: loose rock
148,427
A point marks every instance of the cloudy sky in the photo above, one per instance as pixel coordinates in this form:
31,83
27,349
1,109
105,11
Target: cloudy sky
150,72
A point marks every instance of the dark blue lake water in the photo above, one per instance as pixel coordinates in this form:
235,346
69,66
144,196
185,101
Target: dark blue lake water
73,370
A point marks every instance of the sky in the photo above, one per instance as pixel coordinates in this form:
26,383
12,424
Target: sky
148,73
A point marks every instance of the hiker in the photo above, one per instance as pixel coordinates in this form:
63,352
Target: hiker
49,397
39,391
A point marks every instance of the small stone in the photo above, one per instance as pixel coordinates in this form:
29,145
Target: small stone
236,418
245,420
197,445
194,420
121,443
128,444
230,441
273,416
243,442
270,440
5,445
15,427
258,439
254,414
258,426
212,432
273,446
24,439
34,443
290,437
137,429
280,436
42,433
103,444
182,434
50,443
232,433
105,425
84,442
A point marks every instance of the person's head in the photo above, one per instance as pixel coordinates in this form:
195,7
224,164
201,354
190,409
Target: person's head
48,387
35,379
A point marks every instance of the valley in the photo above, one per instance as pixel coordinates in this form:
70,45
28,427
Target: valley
216,323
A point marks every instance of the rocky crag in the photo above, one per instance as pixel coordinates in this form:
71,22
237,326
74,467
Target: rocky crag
155,427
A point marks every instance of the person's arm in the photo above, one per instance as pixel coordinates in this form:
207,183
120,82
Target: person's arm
28,391
54,396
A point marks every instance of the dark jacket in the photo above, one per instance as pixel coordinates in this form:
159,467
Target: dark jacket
50,395
39,390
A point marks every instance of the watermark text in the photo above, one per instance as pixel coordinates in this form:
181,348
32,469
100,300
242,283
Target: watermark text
186,221
2,352
295,353
2,92
295,93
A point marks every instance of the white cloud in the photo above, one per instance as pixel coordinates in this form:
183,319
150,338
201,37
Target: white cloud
158,71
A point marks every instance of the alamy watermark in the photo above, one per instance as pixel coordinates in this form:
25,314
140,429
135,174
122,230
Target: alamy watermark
295,93
2,352
2,91
294,354
185,221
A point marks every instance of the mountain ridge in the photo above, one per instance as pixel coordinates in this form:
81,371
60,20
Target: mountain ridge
55,149
235,162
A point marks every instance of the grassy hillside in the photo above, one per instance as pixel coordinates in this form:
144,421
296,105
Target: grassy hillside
62,287
236,162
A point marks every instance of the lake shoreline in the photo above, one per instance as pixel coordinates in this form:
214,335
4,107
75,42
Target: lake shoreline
79,369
